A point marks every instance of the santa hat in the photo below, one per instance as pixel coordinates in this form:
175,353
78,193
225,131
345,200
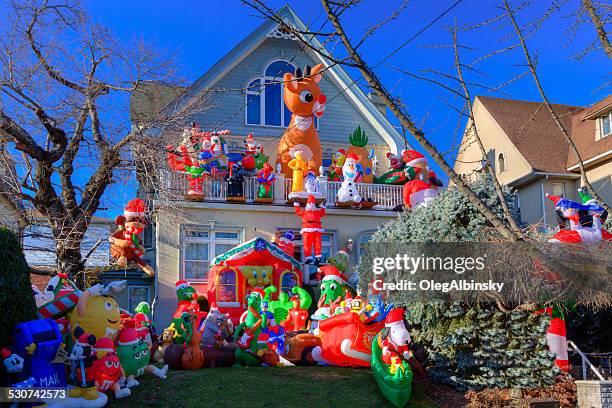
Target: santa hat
128,337
135,208
395,318
249,138
311,201
182,284
105,344
85,338
341,151
260,292
330,272
413,158
352,156
555,199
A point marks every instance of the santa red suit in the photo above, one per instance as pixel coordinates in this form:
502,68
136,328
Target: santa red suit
422,187
395,344
311,228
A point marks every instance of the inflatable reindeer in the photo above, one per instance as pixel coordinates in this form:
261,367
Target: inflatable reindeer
304,99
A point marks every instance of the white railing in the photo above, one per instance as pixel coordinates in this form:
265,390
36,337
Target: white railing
174,186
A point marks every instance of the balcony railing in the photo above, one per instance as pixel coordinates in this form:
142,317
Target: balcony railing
174,186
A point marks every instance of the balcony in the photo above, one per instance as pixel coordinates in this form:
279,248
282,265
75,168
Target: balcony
174,186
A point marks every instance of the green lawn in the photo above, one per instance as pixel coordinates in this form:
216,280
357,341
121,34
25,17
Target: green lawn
264,387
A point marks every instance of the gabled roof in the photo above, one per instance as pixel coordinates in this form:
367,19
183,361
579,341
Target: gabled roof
257,252
583,133
338,75
530,127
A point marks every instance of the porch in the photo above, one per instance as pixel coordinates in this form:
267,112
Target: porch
174,186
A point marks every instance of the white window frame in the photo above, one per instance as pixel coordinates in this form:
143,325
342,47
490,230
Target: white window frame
601,129
211,240
130,287
262,98
298,244
562,188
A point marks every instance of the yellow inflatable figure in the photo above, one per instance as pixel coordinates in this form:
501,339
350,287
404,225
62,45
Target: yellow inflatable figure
300,168
97,311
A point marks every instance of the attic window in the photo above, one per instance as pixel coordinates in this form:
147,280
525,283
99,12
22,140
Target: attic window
605,125
501,163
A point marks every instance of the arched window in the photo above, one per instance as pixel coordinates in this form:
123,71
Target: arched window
226,288
501,163
264,96
288,281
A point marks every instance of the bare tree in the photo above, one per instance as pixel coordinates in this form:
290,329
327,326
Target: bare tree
599,23
555,116
65,84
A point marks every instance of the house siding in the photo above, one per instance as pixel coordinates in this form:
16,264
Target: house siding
265,220
227,108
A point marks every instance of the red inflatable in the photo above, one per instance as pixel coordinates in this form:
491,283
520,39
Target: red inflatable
346,340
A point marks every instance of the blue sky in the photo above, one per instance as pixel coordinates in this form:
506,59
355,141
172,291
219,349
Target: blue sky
202,32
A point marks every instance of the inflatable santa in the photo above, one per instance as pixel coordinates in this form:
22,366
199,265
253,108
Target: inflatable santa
311,229
585,221
423,185
395,341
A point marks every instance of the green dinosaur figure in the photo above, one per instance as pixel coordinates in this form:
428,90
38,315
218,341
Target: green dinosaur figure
248,332
280,308
186,294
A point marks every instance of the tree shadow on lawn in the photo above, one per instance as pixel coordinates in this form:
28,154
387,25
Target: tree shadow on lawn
265,387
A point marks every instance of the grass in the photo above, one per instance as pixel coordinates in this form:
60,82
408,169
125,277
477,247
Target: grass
265,387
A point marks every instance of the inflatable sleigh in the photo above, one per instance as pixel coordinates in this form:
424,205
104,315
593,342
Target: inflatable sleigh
346,340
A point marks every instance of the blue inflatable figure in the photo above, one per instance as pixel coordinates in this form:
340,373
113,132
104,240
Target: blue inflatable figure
39,341
379,311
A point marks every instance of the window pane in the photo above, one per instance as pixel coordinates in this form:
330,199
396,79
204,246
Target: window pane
226,235
222,248
287,118
289,281
196,252
558,189
196,270
278,68
227,286
326,238
273,103
197,234
137,294
253,109
606,126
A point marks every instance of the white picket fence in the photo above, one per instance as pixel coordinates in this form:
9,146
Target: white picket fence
174,185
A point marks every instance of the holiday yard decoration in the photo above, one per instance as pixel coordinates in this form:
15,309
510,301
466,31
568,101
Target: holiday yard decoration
333,286
334,172
265,178
347,193
187,304
235,181
134,357
304,99
59,296
248,331
311,229
299,168
298,314
126,241
390,355
423,184
254,158
97,311
358,140
585,220
107,370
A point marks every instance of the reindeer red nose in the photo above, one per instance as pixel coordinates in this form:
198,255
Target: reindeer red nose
322,99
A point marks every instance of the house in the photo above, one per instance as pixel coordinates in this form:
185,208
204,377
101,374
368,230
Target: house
530,154
243,95
255,264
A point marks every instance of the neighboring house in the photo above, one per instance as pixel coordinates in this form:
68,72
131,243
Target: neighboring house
530,154
39,245
12,211
241,99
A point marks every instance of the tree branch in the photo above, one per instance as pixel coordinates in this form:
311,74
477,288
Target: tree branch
599,27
